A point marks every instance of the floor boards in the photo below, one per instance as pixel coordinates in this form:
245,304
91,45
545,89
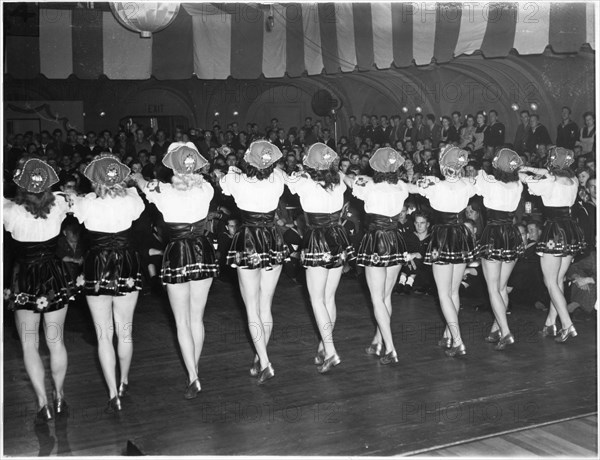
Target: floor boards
359,408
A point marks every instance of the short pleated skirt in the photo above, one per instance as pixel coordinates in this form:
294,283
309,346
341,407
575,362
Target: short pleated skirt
325,243
383,244
561,236
189,255
42,282
258,243
110,267
500,239
451,241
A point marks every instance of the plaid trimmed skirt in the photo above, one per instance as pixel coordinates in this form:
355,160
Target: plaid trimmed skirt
111,267
325,242
189,255
561,236
501,239
42,282
451,241
258,243
383,244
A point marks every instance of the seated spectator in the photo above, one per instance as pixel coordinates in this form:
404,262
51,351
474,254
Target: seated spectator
70,248
582,276
415,274
224,239
292,237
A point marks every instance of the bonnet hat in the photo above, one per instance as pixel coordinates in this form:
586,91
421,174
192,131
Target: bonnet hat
386,160
319,157
107,170
453,157
262,154
560,158
184,158
36,176
507,160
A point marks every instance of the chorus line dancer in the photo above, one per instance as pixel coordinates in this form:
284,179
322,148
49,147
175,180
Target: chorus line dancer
257,249
452,244
501,243
41,287
189,262
111,268
382,250
325,245
561,237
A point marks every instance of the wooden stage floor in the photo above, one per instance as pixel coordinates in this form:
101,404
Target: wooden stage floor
359,408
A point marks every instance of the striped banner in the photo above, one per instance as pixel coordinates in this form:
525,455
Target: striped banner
245,41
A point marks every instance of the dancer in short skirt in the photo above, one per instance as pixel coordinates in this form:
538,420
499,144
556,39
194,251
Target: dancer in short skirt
382,250
189,262
325,245
501,243
111,269
41,287
257,249
561,237
452,244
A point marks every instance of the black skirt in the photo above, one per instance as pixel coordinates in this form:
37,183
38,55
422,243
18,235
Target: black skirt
258,243
41,282
325,243
561,236
111,267
451,241
500,239
383,244
189,255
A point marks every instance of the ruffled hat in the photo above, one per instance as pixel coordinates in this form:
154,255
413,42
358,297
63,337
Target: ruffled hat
107,170
36,176
386,160
453,157
319,156
183,158
507,160
560,158
262,154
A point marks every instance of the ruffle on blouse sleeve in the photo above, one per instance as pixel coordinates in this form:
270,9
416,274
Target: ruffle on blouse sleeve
362,186
540,187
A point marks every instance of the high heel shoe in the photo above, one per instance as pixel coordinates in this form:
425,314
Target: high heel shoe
445,342
508,339
330,362
43,416
374,349
113,406
459,350
255,369
266,374
123,389
494,337
549,331
320,358
61,407
391,357
565,333
192,390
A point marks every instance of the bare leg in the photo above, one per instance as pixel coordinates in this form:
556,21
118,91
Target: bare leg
268,283
28,325
249,280
179,298
123,310
198,296
554,269
102,313
54,329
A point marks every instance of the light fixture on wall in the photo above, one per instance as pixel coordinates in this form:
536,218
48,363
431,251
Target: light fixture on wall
533,106
217,114
405,109
145,17
418,109
514,106
270,23
235,113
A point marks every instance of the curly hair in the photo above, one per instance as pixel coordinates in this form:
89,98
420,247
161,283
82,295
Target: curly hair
504,176
38,204
113,191
253,171
327,178
564,172
389,177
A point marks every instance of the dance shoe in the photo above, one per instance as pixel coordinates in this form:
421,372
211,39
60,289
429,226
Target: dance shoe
565,333
61,408
123,389
549,331
391,357
330,362
459,350
320,358
494,337
43,416
266,374
374,349
445,342
113,406
508,339
255,369
192,390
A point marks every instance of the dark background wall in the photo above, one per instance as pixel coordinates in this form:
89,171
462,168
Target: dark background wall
467,84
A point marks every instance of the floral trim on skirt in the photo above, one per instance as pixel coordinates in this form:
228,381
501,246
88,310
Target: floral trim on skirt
383,244
500,239
451,241
561,236
325,243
